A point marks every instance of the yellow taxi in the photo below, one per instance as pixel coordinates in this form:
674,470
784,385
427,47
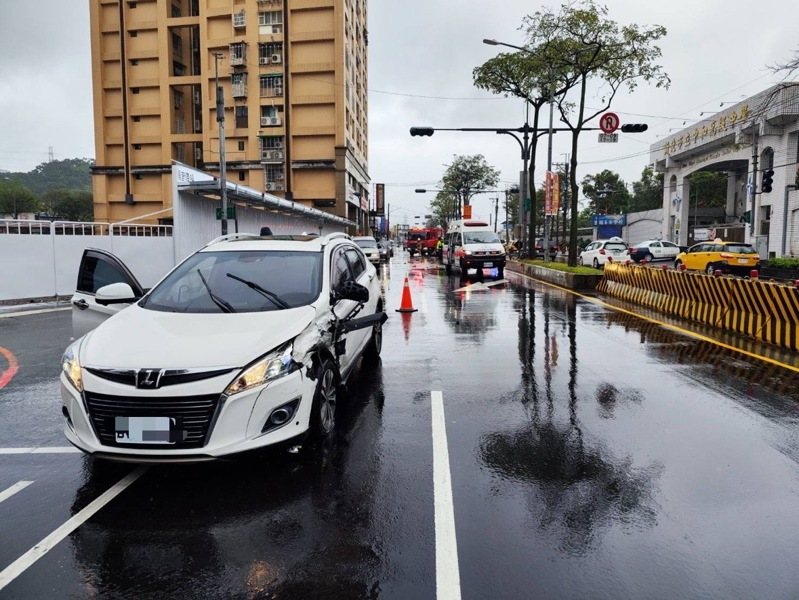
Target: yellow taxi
730,257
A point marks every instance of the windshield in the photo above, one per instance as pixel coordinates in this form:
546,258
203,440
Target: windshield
366,243
252,281
739,249
417,236
615,246
480,237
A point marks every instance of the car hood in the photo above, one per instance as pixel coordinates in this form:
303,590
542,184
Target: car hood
137,338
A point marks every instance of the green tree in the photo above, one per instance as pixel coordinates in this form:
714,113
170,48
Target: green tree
648,191
443,208
16,199
465,177
523,75
580,46
69,205
68,174
708,189
607,193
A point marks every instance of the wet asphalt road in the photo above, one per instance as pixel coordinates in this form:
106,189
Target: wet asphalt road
593,455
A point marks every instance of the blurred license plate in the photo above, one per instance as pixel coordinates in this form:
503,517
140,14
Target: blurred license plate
144,430
743,261
488,265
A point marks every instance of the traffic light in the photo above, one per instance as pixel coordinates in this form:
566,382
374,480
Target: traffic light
421,131
634,127
768,181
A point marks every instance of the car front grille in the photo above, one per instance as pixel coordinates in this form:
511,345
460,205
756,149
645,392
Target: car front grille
194,416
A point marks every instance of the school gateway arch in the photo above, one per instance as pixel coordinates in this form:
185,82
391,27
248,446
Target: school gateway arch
759,134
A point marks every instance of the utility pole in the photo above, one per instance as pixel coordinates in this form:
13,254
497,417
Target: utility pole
550,180
496,213
220,118
754,179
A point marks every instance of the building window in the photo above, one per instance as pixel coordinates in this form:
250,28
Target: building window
134,90
272,142
241,175
273,173
271,85
137,146
274,17
241,117
133,33
241,145
136,118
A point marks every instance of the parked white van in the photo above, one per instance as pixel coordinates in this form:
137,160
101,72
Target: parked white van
473,245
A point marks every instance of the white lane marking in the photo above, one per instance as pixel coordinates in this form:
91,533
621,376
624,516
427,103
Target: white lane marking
42,450
39,311
448,579
17,567
17,487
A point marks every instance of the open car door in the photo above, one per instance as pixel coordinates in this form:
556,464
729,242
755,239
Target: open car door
98,268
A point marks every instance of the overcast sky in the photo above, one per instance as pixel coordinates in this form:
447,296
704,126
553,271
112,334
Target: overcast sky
421,56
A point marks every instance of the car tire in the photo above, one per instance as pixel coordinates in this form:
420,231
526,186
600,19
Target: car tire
323,409
677,264
595,263
710,268
371,355
649,257
580,261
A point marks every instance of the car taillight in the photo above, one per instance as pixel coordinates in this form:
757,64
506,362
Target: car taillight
459,252
726,255
602,251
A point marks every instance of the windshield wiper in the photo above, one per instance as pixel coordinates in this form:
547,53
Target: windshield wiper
274,298
225,306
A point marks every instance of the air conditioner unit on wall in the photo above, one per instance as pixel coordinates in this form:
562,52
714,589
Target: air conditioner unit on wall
278,144
277,155
264,60
278,187
269,186
277,58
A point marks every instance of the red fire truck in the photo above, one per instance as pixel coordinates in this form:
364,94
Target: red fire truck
424,240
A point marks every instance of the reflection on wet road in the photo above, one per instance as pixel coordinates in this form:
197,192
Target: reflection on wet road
592,455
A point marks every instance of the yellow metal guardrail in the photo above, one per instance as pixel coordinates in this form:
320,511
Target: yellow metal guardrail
763,310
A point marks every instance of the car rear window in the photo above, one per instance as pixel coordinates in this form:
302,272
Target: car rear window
615,246
739,249
366,243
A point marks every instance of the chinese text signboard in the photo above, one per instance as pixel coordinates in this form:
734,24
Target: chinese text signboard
599,220
380,197
552,193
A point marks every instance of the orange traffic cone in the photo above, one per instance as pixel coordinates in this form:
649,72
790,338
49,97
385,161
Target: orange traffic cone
406,306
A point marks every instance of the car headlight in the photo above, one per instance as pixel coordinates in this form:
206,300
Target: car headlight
468,252
273,366
71,367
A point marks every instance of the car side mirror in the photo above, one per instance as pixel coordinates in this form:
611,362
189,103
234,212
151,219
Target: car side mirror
115,293
350,290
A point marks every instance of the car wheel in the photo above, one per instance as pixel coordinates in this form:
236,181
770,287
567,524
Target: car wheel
677,264
595,263
371,355
649,257
710,268
580,261
323,411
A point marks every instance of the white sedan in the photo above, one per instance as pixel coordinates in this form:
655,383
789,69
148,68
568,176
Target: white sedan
654,250
597,253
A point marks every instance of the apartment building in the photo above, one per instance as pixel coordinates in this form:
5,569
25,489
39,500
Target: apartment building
293,74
